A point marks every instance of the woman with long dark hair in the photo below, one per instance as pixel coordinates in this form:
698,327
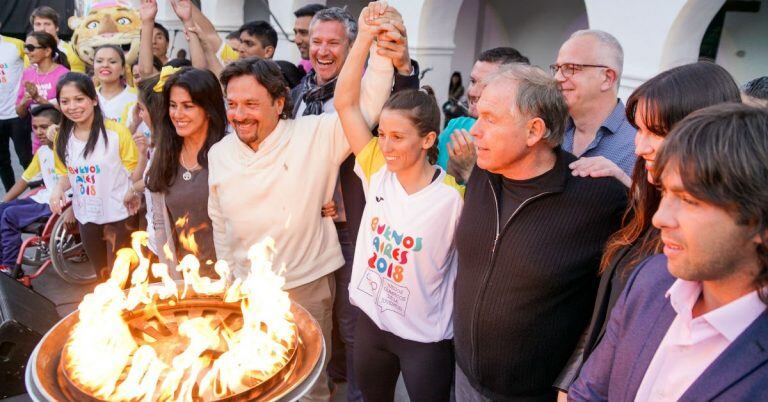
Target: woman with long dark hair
195,119
97,157
653,108
38,81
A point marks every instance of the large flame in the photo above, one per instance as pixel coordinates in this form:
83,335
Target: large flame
208,360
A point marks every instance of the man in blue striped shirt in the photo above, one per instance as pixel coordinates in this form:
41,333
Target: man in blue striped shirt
588,69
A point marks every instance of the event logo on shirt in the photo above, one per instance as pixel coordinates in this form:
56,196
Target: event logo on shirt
389,258
85,178
43,89
3,74
391,250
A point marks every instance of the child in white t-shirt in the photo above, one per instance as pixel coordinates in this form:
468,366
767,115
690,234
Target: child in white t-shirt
405,262
16,213
96,156
117,97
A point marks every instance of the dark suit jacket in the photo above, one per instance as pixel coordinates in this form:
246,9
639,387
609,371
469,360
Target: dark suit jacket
637,326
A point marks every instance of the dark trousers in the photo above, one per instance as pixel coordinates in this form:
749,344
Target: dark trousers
19,131
14,215
101,242
380,356
344,318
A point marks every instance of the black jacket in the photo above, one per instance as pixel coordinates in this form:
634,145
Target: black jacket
525,288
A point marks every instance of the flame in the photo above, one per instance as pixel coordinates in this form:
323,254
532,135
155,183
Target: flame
207,359
187,234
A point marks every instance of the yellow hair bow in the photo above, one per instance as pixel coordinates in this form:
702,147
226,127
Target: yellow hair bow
165,73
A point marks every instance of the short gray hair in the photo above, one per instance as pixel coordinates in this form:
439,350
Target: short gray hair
340,15
537,95
615,56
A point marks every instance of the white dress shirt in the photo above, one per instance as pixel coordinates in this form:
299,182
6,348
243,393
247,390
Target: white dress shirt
692,344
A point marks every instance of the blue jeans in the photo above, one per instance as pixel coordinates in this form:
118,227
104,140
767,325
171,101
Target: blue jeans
14,215
345,313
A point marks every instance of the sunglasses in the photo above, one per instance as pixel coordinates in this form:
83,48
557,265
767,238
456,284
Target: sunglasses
31,48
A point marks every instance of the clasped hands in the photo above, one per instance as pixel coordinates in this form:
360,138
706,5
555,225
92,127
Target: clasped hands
385,24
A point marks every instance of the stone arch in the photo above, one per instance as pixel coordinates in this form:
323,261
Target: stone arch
683,41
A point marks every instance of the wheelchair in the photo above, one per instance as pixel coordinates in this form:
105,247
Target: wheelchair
51,243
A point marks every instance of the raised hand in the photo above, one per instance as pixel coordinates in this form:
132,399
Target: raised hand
393,44
193,28
183,9
371,18
462,155
148,10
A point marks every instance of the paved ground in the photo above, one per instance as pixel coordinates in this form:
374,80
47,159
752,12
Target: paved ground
67,296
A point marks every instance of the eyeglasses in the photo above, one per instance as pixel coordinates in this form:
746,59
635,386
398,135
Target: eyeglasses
568,69
31,48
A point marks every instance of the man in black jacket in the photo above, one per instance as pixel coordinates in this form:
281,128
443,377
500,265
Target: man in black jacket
529,244
332,32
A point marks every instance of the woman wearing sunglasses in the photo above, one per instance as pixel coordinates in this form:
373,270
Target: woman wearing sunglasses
38,81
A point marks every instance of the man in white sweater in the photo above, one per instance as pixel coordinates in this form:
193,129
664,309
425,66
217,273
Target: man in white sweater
272,178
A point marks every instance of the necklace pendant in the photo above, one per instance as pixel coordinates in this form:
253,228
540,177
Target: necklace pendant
187,176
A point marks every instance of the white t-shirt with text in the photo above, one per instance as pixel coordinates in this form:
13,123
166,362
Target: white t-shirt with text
405,261
100,180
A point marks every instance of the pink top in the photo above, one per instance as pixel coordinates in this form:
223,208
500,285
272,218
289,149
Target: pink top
46,87
692,344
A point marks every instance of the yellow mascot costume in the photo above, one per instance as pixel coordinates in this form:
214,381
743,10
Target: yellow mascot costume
107,22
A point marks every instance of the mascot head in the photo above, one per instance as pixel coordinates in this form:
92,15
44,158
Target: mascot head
106,22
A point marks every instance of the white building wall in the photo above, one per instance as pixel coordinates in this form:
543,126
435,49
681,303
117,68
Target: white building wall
743,47
466,38
537,28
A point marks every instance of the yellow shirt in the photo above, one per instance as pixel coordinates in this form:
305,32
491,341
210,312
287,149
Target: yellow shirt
75,64
13,60
226,54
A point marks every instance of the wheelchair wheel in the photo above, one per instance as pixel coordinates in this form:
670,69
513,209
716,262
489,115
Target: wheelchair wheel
68,256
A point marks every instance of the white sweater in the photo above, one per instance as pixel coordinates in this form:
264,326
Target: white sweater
279,189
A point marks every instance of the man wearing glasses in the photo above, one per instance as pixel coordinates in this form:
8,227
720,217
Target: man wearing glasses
588,70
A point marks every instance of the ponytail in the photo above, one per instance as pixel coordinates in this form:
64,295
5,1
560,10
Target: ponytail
60,57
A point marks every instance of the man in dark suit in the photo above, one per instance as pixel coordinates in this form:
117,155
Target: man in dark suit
692,324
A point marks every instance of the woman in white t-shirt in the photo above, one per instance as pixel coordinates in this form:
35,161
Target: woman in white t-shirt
97,157
117,96
405,262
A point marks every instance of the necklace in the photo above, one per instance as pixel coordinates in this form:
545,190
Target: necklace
187,175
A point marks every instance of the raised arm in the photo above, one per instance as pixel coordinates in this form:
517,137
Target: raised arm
207,32
206,42
183,10
347,94
147,12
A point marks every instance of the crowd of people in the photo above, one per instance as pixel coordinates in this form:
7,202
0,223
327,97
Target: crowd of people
552,244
